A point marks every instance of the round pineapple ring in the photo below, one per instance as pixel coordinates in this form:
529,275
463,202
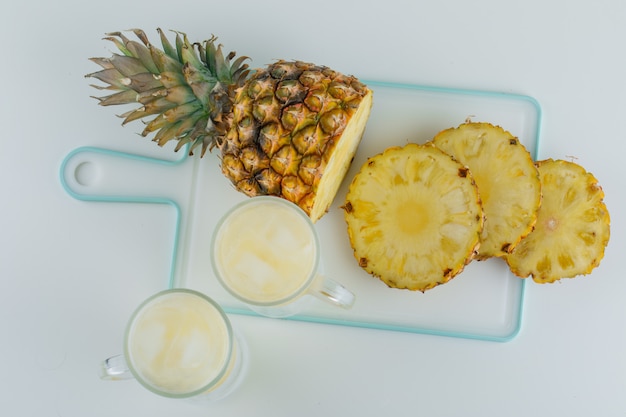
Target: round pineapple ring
507,180
414,217
573,226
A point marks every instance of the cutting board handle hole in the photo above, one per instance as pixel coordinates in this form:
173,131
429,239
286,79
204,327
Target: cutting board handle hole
86,173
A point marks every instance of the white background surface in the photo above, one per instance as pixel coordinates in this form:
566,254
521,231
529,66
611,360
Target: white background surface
73,271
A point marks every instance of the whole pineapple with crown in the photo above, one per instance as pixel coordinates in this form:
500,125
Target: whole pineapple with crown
290,129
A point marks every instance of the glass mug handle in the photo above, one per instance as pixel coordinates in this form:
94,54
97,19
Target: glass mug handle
115,368
331,291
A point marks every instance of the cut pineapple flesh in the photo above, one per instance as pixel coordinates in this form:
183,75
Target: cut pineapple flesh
414,217
573,226
340,159
507,180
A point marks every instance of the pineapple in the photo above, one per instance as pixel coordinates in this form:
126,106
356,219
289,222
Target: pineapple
414,217
573,226
507,180
290,129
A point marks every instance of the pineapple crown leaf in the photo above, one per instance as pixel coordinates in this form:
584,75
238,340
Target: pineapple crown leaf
187,87
168,49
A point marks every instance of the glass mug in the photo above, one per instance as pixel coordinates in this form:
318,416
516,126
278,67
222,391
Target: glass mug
266,253
180,344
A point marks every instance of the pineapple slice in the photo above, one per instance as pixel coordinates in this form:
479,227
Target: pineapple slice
414,217
572,229
507,180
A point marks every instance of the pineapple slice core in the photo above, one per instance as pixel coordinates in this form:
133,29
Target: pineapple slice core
407,222
341,158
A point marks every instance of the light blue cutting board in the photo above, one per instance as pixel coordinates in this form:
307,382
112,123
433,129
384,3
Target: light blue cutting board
484,302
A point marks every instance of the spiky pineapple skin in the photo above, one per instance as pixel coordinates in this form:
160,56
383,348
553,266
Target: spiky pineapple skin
288,120
573,226
290,129
414,217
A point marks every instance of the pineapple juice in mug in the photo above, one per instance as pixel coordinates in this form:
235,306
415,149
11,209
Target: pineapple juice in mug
265,252
180,344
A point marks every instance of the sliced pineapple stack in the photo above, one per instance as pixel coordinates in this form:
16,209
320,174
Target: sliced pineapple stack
414,217
507,180
418,214
573,226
